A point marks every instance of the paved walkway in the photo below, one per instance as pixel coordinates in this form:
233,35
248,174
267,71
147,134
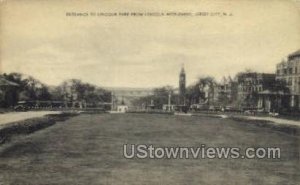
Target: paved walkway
18,116
274,120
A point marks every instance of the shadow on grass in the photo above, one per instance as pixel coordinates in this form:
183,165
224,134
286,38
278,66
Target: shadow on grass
31,125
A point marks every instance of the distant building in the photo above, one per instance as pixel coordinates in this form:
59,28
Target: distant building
122,108
182,87
289,71
250,84
227,90
167,107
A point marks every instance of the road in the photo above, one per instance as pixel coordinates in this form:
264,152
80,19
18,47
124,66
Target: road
88,149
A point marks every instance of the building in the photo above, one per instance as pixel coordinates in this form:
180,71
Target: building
227,91
7,95
168,107
250,85
289,72
272,100
122,108
182,87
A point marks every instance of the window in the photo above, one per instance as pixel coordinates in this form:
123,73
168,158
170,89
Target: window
296,70
278,72
290,82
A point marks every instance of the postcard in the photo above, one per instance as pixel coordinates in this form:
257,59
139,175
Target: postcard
149,92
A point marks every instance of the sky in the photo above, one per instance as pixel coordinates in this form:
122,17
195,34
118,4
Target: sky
38,39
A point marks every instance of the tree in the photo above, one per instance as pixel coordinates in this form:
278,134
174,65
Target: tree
76,90
161,96
192,94
196,91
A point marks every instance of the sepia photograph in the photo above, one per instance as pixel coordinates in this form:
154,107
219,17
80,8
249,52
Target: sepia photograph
160,92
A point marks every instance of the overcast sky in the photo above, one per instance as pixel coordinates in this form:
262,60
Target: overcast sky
38,39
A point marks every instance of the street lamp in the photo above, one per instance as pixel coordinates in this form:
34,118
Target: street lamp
169,101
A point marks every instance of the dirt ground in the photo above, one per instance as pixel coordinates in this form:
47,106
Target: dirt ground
88,149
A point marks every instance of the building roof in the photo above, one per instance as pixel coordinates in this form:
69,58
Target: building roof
295,54
4,82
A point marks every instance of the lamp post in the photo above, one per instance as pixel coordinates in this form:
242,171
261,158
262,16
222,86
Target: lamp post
169,102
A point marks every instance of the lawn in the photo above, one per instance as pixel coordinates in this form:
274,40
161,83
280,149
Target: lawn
88,149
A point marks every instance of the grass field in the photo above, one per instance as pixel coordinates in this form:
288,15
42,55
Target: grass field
88,149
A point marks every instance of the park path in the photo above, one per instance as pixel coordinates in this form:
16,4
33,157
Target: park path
18,116
274,120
